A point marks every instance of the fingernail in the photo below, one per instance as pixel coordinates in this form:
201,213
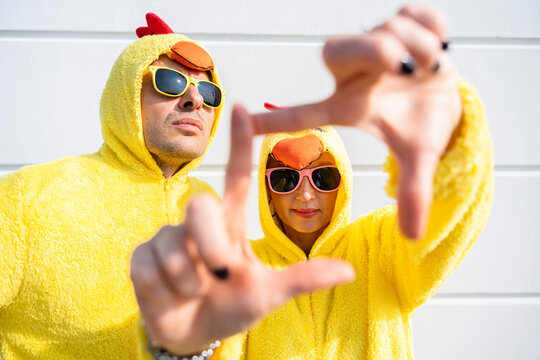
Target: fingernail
445,44
221,274
408,65
436,67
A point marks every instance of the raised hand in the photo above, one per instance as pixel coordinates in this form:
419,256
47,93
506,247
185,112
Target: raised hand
199,281
397,83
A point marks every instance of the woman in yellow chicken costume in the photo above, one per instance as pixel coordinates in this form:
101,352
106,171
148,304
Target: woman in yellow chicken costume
371,317
67,228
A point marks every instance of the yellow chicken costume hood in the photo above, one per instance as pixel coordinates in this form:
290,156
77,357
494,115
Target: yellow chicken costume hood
121,120
371,317
68,228
331,142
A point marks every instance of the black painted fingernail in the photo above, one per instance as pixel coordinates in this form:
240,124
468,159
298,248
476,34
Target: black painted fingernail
222,274
445,44
436,67
408,65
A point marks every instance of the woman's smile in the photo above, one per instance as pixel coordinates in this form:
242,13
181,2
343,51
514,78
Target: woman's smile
305,213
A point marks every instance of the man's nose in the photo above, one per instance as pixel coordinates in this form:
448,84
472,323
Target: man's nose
305,191
191,99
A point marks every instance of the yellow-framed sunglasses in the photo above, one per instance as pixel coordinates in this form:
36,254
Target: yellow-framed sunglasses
173,83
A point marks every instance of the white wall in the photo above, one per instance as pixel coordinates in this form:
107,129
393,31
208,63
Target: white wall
270,51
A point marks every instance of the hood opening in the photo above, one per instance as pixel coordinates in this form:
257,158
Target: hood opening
273,228
302,211
120,108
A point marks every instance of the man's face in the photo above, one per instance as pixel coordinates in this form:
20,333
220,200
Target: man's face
176,129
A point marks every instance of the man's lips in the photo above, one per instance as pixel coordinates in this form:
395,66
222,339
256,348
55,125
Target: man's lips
306,213
188,124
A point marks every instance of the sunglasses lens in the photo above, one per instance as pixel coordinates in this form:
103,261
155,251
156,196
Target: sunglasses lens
326,178
170,82
284,180
210,93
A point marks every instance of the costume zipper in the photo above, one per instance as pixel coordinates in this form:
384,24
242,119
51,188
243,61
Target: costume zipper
314,323
313,317
166,210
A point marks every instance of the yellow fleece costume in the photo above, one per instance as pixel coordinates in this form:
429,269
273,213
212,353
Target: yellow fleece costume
68,228
371,317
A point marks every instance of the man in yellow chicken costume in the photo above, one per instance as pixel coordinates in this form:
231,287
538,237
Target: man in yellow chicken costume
67,228
372,272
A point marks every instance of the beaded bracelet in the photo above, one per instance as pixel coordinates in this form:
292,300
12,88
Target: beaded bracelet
161,354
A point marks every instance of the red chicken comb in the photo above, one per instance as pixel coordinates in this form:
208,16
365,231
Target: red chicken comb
156,26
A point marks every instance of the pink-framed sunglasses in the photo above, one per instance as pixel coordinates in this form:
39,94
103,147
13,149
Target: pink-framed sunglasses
285,180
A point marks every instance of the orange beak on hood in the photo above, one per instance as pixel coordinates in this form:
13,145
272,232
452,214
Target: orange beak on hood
296,153
299,152
192,56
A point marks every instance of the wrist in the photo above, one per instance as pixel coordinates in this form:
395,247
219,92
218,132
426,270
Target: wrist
164,351
178,349
160,353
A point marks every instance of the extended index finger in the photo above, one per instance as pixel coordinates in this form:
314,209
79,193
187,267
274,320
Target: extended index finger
237,176
292,119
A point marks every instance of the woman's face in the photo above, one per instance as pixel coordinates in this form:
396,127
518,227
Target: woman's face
306,209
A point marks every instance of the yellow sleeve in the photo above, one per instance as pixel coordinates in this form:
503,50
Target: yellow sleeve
463,194
233,347
12,238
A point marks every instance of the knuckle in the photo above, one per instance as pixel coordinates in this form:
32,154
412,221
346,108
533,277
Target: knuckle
409,9
137,262
135,258
176,265
146,280
429,53
336,50
330,50
162,233
433,45
439,20
166,228
393,24
187,287
385,49
434,19
183,277
190,289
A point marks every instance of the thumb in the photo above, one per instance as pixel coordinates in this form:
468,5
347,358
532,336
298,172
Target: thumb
316,274
415,192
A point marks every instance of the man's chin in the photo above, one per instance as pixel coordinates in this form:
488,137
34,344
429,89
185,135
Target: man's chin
188,153
188,147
